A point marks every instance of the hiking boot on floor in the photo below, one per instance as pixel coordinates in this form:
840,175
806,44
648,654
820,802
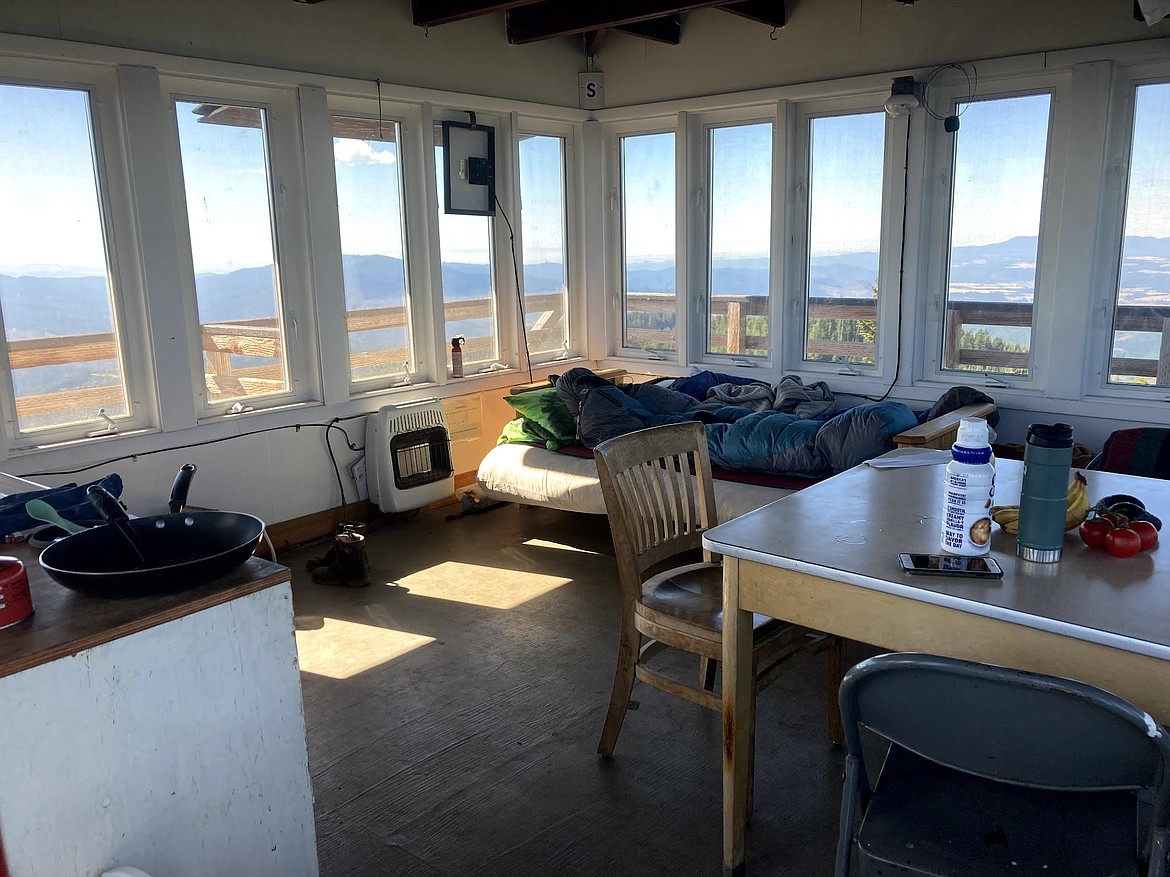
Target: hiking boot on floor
349,567
321,560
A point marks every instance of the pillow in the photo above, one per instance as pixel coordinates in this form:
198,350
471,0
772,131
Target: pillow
525,432
545,410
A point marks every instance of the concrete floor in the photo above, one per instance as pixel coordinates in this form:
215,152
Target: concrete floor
453,710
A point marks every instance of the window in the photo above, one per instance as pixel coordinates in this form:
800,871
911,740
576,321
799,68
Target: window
738,278
845,174
543,231
1140,334
1000,155
469,291
368,166
227,182
648,242
59,292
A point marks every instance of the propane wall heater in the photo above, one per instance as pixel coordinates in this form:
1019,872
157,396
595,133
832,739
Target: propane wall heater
408,456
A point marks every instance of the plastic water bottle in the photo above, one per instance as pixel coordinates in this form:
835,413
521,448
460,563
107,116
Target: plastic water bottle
1044,494
968,487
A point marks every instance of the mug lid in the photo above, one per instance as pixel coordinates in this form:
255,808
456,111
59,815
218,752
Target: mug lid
1055,435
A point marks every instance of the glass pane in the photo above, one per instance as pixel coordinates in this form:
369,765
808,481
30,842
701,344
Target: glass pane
542,196
648,242
369,206
844,237
469,300
1141,337
56,292
741,229
229,212
1000,154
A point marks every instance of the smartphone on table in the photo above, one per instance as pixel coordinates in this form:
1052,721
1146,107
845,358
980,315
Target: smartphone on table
951,565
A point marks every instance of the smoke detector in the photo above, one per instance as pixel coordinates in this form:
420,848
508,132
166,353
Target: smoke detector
905,95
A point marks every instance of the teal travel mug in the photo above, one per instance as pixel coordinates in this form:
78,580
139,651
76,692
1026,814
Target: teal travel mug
1044,495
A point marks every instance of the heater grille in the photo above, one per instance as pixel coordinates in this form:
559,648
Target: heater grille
408,456
421,456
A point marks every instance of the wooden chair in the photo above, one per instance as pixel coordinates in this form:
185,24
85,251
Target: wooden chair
658,510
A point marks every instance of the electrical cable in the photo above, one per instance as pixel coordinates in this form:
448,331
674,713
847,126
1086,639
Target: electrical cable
519,297
297,426
972,86
901,275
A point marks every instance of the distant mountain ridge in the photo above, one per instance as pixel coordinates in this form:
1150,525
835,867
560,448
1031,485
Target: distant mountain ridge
38,306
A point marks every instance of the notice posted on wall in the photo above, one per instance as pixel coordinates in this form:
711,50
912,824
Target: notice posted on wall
357,471
464,416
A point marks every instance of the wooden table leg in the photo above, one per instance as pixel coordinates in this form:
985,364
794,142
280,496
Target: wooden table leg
738,720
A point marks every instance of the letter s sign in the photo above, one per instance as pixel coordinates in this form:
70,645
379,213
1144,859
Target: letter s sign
591,90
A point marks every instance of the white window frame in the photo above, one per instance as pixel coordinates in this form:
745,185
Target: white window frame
944,94
291,238
123,255
1111,229
895,186
330,288
574,246
616,294
698,249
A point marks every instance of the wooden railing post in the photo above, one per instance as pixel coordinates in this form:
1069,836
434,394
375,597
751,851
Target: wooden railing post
1163,377
736,326
953,339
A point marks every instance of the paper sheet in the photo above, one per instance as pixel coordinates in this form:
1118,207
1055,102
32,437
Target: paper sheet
904,458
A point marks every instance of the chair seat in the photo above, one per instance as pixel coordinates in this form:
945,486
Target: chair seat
694,594
928,819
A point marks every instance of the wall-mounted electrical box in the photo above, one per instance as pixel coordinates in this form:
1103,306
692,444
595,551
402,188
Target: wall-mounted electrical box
469,169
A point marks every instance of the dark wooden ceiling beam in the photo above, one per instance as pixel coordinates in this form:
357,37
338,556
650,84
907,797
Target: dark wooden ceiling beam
592,40
555,18
667,29
428,13
769,12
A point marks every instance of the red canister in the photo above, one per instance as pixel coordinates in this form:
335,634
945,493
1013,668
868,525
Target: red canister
15,599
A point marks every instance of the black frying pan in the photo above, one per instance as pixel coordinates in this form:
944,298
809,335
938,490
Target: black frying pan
157,554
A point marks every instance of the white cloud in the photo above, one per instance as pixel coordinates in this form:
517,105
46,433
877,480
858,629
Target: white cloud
349,151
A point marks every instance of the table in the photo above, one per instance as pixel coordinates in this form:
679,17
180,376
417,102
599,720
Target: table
827,558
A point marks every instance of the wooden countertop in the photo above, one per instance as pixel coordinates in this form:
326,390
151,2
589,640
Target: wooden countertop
65,622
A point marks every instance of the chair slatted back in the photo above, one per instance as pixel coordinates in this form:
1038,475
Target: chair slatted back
657,508
1007,725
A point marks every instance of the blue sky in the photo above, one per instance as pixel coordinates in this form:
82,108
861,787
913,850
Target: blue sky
47,170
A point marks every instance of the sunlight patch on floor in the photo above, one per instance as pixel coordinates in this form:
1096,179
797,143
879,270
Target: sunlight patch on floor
341,649
560,546
487,586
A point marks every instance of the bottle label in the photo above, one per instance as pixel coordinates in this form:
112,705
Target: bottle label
967,494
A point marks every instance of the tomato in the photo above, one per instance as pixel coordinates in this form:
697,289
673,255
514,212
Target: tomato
1123,542
1114,519
1148,533
1093,532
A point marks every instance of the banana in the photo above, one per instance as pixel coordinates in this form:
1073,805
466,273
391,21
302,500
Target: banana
1007,516
1078,502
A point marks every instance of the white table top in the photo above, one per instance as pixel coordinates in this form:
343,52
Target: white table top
851,528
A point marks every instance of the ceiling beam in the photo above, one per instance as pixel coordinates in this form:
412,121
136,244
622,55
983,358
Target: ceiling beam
592,40
769,12
428,13
667,29
555,18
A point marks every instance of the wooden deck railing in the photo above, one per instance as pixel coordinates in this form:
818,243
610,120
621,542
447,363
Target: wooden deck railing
261,338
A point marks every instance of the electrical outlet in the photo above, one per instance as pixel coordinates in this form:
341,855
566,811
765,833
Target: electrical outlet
463,168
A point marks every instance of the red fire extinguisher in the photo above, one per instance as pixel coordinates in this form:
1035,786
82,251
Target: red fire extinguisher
457,356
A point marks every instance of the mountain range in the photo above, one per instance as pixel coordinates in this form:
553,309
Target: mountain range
40,306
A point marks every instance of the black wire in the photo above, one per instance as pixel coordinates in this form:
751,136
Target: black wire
972,85
329,427
519,297
901,274
297,426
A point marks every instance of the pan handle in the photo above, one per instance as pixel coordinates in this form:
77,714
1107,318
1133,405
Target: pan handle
107,506
181,487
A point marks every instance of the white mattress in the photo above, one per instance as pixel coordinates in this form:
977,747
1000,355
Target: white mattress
534,476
